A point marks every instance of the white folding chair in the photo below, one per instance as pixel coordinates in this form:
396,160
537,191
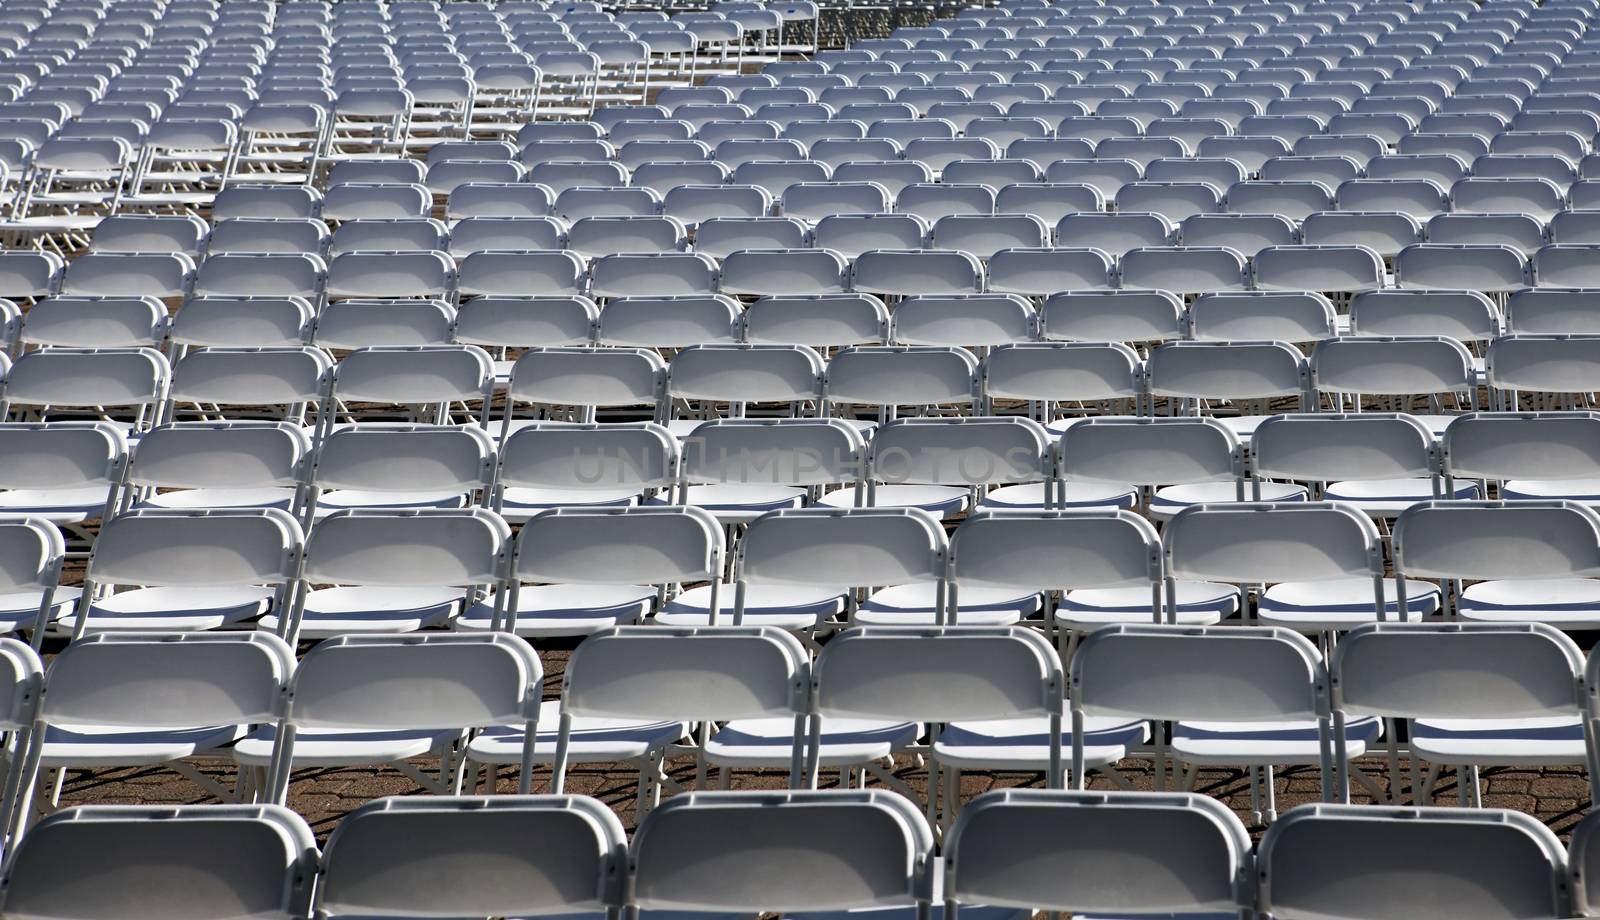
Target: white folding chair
1528,455
164,863
1117,853
1471,693
505,855
381,700
1340,862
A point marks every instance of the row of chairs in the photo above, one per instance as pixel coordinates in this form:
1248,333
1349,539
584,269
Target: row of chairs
1013,852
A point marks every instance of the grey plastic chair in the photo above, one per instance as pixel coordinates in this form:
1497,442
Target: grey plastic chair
176,863
1110,852
1340,862
508,855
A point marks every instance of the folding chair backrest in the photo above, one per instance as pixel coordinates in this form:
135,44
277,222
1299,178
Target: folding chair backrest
1543,363
95,322
1391,365
168,680
422,374
746,373
937,674
32,551
1263,543
784,851
689,674
960,451
405,458
1522,445
431,681
893,376
1457,671
498,856
650,545
1225,370
589,377
1329,447
1149,451
251,376
1499,540
1166,672
858,547
1054,549
562,455
1340,862
796,452
88,377
197,548
1106,852
1062,370
186,862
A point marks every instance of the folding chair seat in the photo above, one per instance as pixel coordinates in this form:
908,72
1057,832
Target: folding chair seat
720,237
161,275
695,203
1248,150
181,858
1049,201
363,854
129,233
894,175
1183,270
1526,717
1218,173
1246,233
1432,366
489,199
812,201
1387,855
1197,844
1188,676
1489,268
1105,176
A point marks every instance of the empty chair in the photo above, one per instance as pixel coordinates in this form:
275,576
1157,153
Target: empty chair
1183,270
1489,268
1341,269
886,377
191,860
1465,315
1111,316
1292,199
850,235
1042,272
1432,366
1566,265
1175,201
1247,233
1341,861
567,849
1539,198
695,203
1116,234
1106,176
719,237
565,379
916,272
164,275
820,321
1198,844
934,201
984,235
1050,201
1287,316
40,381
1420,198
1544,363
813,201
1523,232
1384,232
486,199
375,201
